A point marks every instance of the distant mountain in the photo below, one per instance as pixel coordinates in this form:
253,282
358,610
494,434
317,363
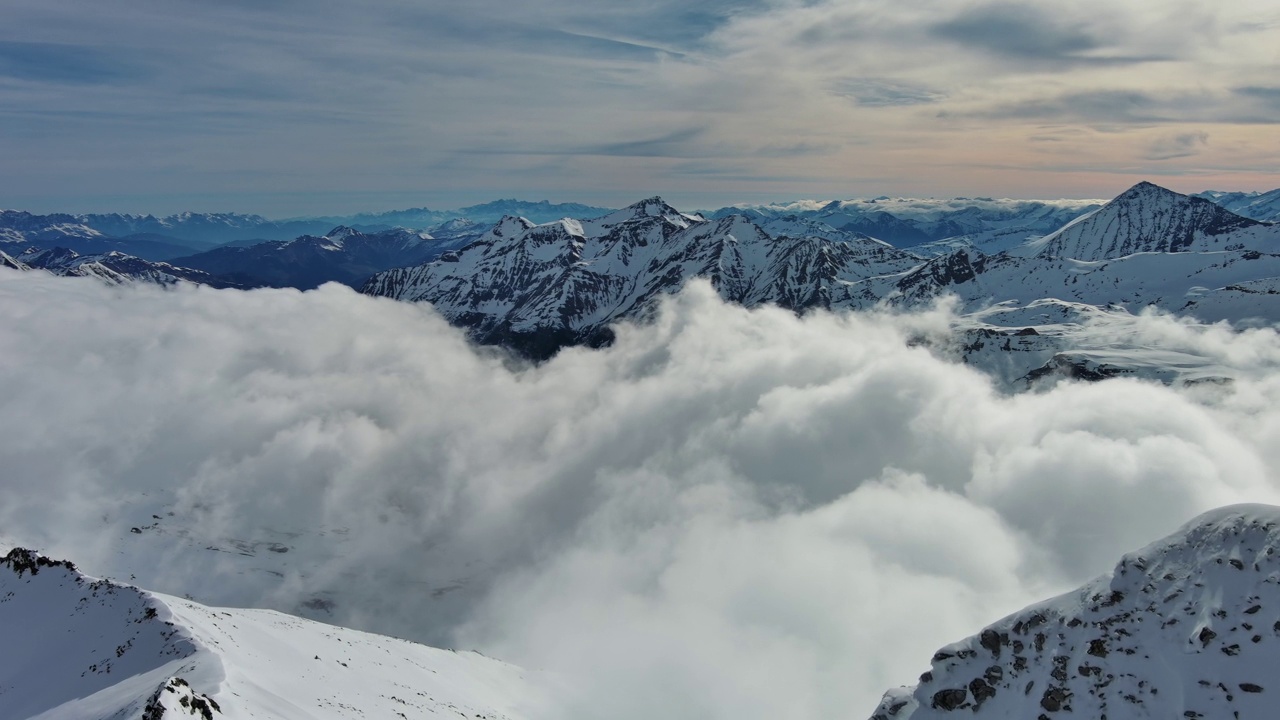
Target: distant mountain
1188,627
1264,206
343,255
1147,218
908,222
485,213
114,267
92,649
538,288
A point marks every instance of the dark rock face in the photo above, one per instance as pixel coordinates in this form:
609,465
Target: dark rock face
175,698
21,560
950,699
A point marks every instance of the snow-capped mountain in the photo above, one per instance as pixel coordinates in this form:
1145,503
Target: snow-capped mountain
1187,627
540,287
1149,218
22,230
113,267
8,261
1263,206
343,255
907,222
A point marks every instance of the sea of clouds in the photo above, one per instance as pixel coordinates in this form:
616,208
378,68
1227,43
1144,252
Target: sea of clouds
730,513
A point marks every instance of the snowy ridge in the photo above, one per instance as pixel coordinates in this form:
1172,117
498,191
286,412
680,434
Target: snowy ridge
1187,627
114,267
94,649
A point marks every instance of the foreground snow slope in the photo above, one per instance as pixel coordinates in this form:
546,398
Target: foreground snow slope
1187,627
80,648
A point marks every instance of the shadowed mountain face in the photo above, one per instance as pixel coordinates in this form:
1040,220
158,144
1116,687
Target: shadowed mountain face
342,255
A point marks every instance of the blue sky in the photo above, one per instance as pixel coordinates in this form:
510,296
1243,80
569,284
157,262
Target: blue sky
286,107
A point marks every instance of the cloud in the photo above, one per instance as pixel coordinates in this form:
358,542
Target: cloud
1177,146
874,92
200,106
1025,32
759,514
69,64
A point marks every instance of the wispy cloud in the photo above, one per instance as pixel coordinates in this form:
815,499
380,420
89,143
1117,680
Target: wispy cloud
381,97
1178,146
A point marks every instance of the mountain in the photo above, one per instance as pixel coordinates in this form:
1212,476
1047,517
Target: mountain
1149,218
1264,206
83,649
537,288
1187,627
343,255
22,230
114,267
8,261
910,222
485,213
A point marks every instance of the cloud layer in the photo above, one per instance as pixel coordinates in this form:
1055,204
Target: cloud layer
729,513
287,108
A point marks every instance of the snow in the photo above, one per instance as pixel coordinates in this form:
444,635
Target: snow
95,649
1187,627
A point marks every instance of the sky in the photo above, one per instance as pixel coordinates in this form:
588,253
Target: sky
759,514
290,108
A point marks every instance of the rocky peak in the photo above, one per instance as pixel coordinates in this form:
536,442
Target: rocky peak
1187,627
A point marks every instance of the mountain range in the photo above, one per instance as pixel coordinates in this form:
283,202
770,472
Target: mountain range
1024,273
537,288
1187,627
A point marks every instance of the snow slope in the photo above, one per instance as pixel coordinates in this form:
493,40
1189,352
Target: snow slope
1187,627
94,649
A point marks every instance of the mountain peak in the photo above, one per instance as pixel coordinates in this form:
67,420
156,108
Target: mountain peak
651,207
1144,218
1181,628
341,232
510,226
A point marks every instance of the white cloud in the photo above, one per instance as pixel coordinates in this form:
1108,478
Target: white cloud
729,513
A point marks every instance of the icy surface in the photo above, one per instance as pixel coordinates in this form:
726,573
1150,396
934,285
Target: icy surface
93,649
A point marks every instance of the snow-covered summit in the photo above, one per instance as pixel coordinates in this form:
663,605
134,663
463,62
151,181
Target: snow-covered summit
1187,627
81,648
1146,218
